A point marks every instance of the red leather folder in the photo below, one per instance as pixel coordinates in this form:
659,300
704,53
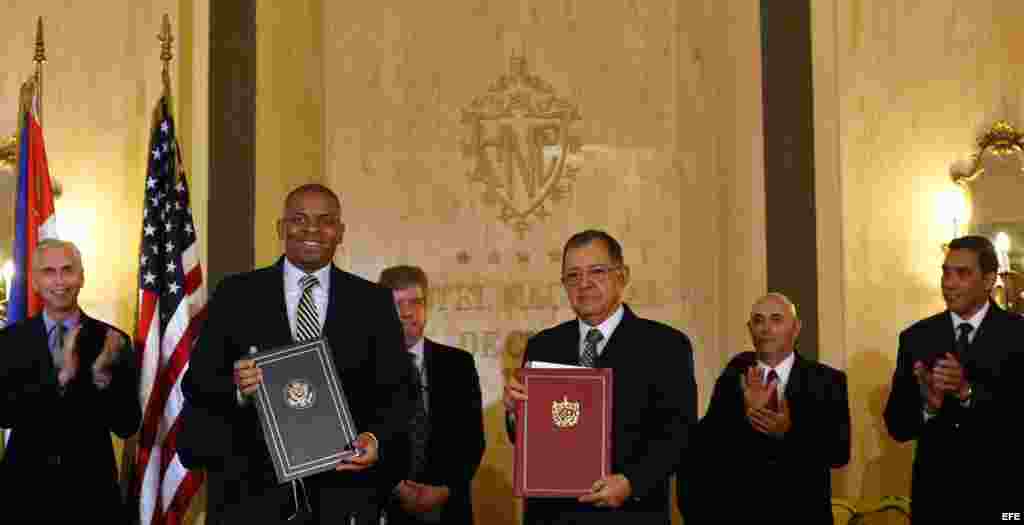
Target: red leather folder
563,431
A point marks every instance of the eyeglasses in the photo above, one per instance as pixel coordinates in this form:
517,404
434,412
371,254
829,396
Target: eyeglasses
598,272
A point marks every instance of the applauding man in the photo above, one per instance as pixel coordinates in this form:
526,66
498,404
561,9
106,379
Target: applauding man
67,381
955,391
779,417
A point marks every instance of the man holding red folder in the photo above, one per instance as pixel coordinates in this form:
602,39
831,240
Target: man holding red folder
654,390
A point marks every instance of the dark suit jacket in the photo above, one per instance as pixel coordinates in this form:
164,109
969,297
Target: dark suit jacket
794,470
365,336
654,405
60,461
959,449
456,443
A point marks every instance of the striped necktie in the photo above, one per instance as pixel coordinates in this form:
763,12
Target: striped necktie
307,320
589,357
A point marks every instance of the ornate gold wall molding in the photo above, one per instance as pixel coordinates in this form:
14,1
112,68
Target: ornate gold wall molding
521,146
8,151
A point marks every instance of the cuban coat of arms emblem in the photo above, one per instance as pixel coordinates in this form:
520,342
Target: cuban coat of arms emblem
565,413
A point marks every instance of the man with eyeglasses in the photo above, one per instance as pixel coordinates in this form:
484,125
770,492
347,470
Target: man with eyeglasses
448,421
654,393
302,296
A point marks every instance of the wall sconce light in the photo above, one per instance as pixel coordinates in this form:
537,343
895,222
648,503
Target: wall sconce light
1008,291
6,278
1000,150
955,210
1002,245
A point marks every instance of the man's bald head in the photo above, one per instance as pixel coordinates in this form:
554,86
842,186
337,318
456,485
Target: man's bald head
776,296
774,326
311,188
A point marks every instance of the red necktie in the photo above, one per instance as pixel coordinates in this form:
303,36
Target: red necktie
773,401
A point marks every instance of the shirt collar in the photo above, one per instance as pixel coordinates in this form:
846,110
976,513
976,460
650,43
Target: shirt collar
71,321
417,353
782,370
975,320
607,327
292,275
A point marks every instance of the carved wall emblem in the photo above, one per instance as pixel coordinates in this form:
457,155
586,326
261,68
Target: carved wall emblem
565,413
299,394
521,146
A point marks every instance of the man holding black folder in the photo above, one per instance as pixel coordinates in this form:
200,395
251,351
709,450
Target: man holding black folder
654,390
301,296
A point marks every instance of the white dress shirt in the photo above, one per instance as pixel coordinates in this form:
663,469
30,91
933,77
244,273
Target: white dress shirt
782,370
606,328
293,292
974,321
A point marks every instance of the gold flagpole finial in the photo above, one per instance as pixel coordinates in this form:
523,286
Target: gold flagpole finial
40,57
166,42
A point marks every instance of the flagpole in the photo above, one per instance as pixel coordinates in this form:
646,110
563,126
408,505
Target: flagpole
39,59
166,41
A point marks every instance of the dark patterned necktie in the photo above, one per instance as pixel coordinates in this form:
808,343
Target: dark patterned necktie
57,346
773,399
420,423
963,342
589,357
307,320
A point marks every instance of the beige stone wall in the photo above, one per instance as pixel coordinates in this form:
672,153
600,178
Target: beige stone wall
902,90
289,111
671,163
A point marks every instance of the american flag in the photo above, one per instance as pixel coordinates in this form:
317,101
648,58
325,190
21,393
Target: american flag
172,306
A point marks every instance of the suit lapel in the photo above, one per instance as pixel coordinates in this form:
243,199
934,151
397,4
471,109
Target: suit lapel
568,347
429,364
987,325
281,329
335,317
90,339
38,333
621,334
795,384
986,340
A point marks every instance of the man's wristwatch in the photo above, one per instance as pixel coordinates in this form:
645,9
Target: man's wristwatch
966,398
